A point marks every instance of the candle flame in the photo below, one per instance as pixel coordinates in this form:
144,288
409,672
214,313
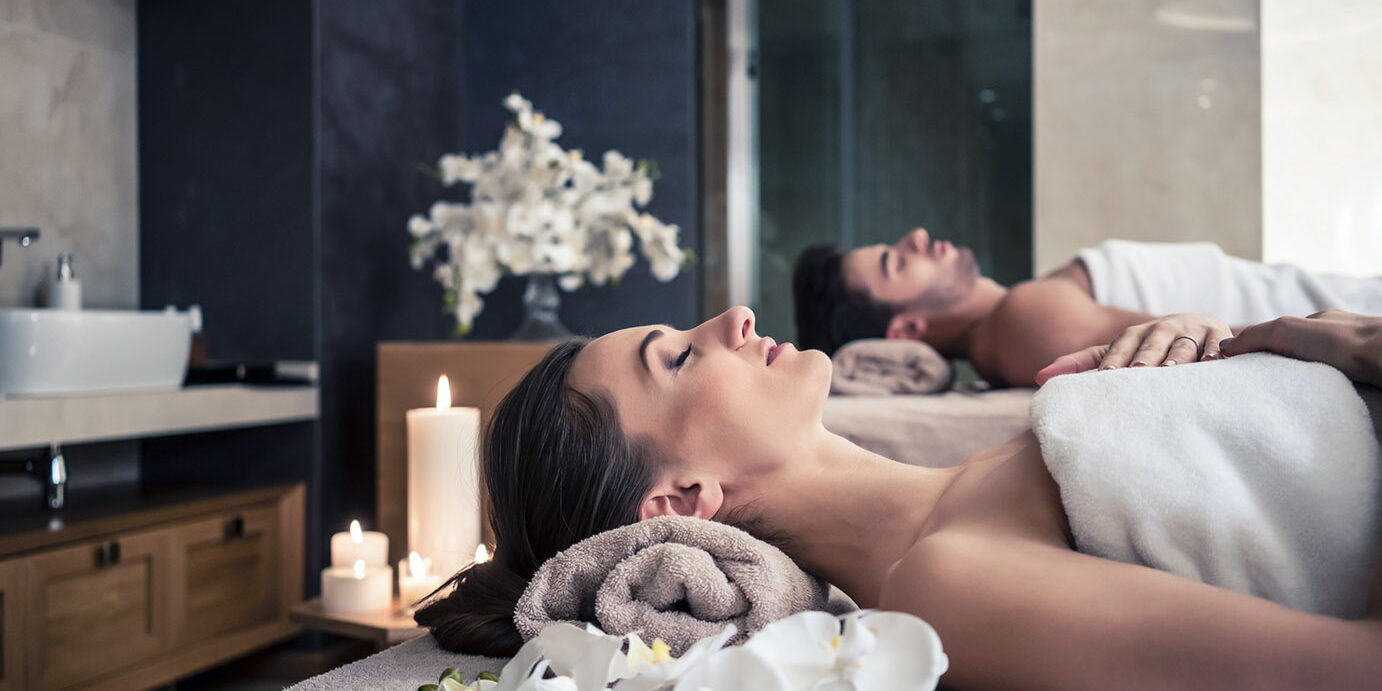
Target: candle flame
355,535
481,554
443,393
417,565
359,568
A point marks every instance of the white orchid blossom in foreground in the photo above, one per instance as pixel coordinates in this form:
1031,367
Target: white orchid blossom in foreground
537,208
875,650
660,670
810,651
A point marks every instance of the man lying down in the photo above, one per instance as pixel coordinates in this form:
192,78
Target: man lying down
1208,525
925,289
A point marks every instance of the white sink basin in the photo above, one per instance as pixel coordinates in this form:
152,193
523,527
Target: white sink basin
49,351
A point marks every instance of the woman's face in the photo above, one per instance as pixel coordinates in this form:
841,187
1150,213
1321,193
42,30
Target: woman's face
716,393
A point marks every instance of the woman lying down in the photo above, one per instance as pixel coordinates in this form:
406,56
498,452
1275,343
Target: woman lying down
1207,525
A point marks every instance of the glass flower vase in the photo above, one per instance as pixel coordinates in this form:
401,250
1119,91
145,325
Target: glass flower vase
541,300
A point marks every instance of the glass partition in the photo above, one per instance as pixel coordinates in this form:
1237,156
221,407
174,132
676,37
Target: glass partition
874,117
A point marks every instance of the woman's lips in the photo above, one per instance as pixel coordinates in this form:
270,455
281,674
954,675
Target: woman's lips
765,347
776,350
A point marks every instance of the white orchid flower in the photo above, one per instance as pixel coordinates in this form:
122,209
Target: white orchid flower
458,168
535,207
419,226
657,668
468,305
617,165
517,103
733,669
570,282
877,650
642,189
588,656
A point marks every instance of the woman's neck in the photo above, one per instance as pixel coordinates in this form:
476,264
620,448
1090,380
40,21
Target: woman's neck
851,514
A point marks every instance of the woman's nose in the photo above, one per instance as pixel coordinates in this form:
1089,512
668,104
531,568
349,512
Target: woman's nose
733,327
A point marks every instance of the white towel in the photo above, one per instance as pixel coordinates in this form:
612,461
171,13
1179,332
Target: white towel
1257,473
1197,277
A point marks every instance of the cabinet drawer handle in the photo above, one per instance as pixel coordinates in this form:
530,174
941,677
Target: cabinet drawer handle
108,554
235,527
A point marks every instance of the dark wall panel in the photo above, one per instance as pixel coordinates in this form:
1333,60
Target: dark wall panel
225,165
228,218
617,75
390,88
279,144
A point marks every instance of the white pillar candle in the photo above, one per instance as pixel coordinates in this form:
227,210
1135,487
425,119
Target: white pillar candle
357,588
368,545
444,482
416,580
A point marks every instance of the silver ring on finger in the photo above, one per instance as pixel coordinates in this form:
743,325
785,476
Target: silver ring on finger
1192,340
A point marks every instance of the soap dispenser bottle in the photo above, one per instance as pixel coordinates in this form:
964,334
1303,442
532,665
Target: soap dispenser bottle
65,291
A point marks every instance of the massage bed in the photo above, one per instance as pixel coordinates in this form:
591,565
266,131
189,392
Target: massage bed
936,430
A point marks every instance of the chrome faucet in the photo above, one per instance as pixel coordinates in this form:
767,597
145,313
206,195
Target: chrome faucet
52,472
23,236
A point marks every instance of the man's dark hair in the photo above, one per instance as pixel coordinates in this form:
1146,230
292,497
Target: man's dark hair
828,315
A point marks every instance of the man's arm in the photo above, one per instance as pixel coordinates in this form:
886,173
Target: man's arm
1039,321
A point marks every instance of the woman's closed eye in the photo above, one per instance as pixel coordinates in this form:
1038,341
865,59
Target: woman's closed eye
681,359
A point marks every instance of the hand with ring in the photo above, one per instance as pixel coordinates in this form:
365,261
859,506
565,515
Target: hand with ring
1351,343
1172,340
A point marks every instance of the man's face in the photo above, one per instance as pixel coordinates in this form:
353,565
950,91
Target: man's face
916,273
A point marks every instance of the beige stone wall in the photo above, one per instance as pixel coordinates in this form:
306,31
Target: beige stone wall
68,150
1322,134
1146,124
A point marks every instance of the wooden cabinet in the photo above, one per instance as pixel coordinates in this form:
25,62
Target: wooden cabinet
105,596
157,595
229,566
11,619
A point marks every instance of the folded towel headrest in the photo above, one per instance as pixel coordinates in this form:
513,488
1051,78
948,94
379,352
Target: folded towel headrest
881,366
675,578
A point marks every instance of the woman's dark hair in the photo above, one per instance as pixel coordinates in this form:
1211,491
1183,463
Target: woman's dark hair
558,469
828,315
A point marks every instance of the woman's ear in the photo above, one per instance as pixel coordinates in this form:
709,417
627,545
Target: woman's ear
908,326
700,497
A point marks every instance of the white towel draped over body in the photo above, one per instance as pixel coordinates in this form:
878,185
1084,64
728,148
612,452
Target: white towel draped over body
1197,277
1257,473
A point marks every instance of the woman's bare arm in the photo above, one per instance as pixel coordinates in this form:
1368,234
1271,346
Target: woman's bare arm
1015,613
1352,343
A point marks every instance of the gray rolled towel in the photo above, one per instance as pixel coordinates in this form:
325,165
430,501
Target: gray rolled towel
882,367
675,578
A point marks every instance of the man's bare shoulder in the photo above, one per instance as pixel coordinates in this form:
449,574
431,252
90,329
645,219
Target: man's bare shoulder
1036,307
1074,273
1036,322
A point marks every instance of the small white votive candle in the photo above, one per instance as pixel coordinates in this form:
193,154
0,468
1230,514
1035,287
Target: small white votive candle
370,546
416,580
356,589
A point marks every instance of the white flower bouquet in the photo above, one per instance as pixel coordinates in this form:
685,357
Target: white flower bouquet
861,651
538,209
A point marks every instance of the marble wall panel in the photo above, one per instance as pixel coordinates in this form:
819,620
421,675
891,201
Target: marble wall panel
68,161
1321,145
1146,124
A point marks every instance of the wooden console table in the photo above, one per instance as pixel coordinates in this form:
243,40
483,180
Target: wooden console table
406,377
383,629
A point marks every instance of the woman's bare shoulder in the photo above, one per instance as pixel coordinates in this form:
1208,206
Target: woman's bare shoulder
942,567
1008,607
